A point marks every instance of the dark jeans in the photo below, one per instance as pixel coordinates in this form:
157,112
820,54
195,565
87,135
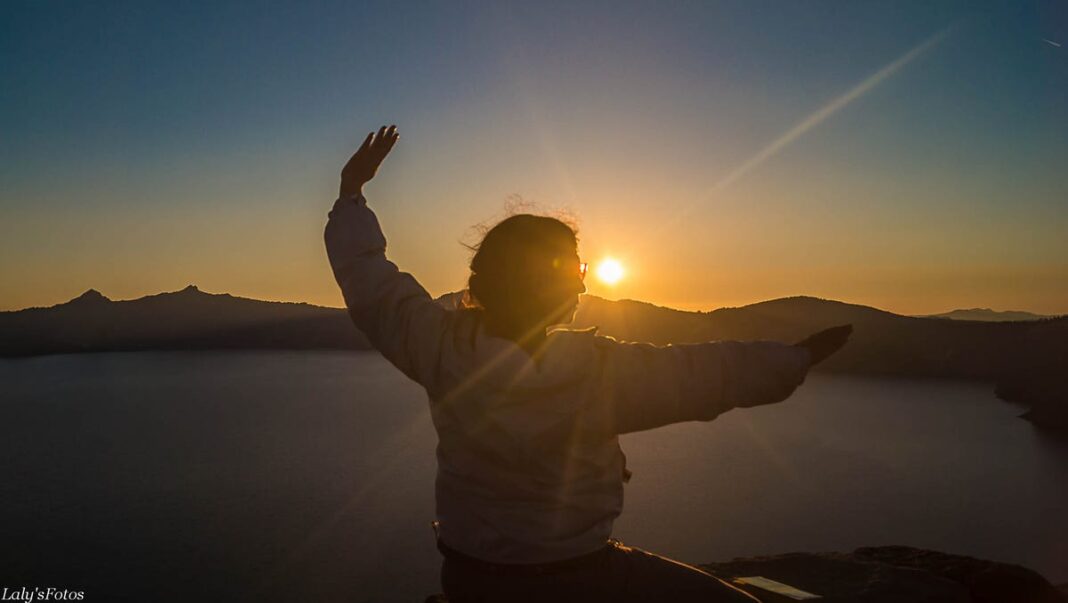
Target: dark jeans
623,574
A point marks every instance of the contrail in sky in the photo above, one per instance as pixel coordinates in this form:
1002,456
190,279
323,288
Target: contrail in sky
1051,42
818,117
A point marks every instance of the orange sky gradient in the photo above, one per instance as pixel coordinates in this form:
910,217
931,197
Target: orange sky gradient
272,250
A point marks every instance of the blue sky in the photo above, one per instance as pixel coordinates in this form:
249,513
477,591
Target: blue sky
145,146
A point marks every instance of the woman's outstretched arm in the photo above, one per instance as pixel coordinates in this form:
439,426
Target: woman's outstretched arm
398,316
649,386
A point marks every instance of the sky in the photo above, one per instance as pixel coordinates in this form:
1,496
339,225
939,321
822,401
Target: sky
907,155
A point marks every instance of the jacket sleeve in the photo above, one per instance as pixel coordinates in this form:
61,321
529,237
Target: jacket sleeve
392,309
649,386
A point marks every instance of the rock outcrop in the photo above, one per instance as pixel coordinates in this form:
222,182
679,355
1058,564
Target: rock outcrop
888,574
896,573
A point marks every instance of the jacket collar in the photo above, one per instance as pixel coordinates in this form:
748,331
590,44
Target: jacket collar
567,356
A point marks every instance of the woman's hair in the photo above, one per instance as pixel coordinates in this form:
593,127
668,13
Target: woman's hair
498,282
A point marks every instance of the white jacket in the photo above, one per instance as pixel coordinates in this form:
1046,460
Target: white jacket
529,464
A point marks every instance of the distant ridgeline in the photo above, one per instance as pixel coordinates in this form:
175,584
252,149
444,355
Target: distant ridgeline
988,314
182,320
1027,359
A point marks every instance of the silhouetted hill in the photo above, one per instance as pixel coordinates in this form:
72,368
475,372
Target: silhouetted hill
1028,359
987,314
882,342
185,319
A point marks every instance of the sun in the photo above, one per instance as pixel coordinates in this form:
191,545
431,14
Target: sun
610,271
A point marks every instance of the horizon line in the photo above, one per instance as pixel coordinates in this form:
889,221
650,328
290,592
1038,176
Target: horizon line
194,287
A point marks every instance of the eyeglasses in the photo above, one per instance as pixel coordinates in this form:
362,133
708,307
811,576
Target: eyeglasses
583,267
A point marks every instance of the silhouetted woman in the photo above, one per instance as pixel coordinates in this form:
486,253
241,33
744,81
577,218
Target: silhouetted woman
530,472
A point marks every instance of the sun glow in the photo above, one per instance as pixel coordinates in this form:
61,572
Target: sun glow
609,271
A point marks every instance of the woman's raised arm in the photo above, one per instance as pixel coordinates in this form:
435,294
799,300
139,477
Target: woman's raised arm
395,312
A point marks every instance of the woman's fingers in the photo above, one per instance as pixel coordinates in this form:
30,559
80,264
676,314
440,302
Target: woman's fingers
366,142
836,338
391,138
842,333
826,342
385,141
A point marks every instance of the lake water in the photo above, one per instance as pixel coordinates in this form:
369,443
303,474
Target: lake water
309,476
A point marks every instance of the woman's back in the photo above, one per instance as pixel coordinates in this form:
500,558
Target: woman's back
529,465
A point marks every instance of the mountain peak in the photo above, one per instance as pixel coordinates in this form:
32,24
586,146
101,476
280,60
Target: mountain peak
189,290
91,296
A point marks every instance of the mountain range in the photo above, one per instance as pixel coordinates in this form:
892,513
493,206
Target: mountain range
988,315
1026,359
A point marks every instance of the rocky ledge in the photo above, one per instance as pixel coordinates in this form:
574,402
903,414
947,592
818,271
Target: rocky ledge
889,574
896,573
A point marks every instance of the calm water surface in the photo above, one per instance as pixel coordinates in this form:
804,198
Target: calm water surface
309,476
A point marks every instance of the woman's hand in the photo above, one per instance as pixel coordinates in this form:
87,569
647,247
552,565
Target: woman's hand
364,163
826,342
